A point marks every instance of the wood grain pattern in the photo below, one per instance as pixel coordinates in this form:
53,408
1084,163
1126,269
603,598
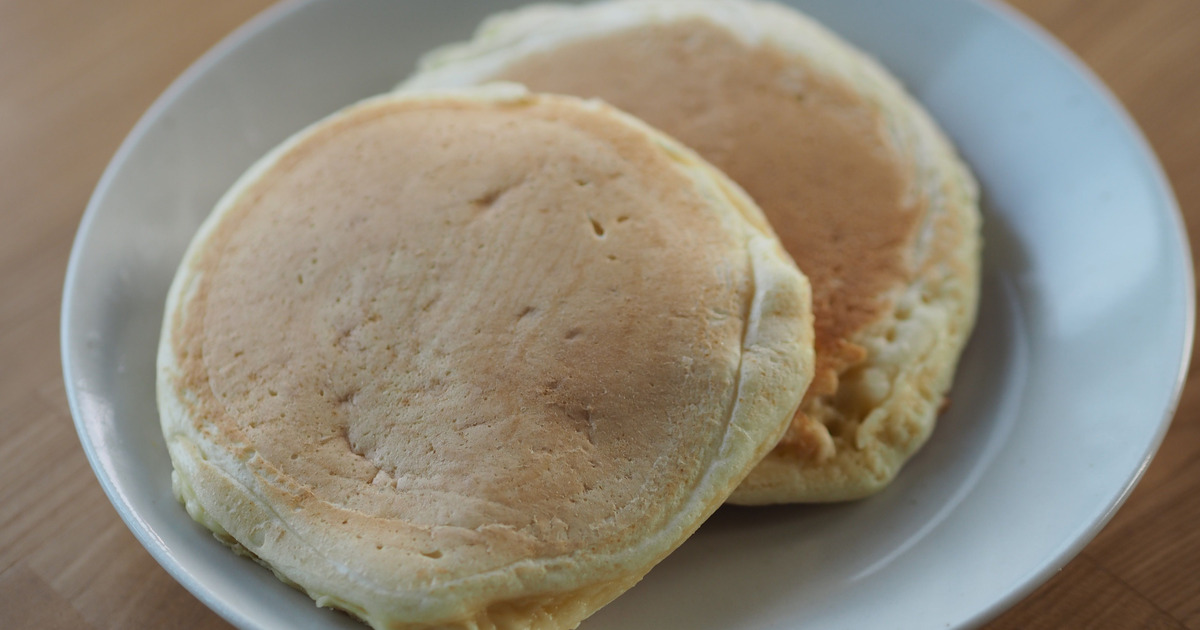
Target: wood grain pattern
75,76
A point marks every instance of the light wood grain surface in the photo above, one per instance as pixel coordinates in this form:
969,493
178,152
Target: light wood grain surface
76,74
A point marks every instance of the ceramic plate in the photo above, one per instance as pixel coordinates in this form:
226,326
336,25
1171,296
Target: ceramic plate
1062,396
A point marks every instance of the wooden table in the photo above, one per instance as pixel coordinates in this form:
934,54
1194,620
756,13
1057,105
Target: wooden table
76,74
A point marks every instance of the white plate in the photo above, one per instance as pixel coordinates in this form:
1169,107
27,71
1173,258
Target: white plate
1061,399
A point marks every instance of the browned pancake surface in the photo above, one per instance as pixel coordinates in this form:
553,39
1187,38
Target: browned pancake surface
810,150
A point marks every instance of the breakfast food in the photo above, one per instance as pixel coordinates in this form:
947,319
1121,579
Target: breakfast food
864,191
476,358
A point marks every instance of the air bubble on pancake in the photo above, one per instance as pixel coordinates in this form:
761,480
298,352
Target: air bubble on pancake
489,199
347,396
597,228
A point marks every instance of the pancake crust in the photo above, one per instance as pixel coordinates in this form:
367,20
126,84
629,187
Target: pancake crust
863,190
476,358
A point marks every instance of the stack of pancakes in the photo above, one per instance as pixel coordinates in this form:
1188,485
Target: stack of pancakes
479,353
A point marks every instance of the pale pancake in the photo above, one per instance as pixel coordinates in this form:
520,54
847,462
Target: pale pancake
476,358
863,190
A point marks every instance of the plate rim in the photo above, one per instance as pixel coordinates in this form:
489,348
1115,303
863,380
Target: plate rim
243,33
1032,31
1043,38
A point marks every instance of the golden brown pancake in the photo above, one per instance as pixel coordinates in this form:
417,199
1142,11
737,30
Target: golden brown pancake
476,358
863,190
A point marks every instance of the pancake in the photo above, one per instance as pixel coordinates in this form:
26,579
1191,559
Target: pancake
476,358
864,191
